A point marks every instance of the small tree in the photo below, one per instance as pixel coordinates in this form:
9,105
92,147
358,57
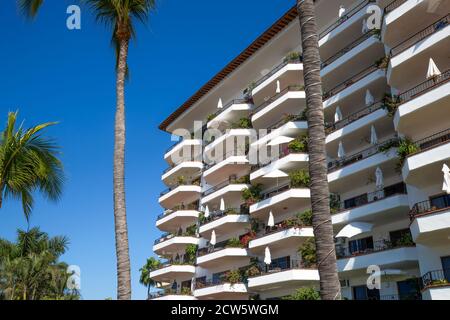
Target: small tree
304,294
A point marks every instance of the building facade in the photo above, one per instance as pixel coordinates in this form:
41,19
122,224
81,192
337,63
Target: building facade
237,217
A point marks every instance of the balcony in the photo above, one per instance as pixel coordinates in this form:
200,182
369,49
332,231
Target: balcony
383,206
361,52
426,103
289,126
230,191
231,112
343,30
436,285
294,275
180,193
281,237
169,294
286,73
281,199
220,289
224,222
233,162
168,272
430,221
416,51
183,149
184,168
424,166
221,255
171,220
384,254
355,122
353,90
228,137
290,100
350,169
171,243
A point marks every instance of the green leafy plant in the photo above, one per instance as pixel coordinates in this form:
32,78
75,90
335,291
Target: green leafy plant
300,144
300,179
185,291
305,217
233,276
383,63
252,194
405,240
211,117
308,252
243,180
190,254
292,56
234,243
391,103
385,147
243,123
335,203
405,148
304,294
377,33
201,218
181,180
190,231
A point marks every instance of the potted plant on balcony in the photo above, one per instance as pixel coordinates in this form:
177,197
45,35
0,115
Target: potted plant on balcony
190,231
305,217
252,195
304,294
211,116
308,252
242,123
391,103
243,180
299,179
405,148
246,238
234,243
181,180
292,57
190,255
300,144
382,63
233,276
185,291
248,91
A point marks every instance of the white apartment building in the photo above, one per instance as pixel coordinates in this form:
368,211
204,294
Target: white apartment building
386,96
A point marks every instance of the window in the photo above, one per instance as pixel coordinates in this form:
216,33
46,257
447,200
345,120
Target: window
394,189
356,201
360,245
446,267
440,202
398,237
363,293
409,289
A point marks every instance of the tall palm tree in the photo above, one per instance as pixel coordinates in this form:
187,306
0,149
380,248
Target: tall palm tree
28,162
149,266
30,8
320,195
121,16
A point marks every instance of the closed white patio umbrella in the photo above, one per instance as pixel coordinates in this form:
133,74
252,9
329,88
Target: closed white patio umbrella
271,221
433,70
354,229
222,205
220,104
338,115
446,185
206,211
267,256
278,86
341,151
369,98
213,238
379,178
373,136
341,11
280,140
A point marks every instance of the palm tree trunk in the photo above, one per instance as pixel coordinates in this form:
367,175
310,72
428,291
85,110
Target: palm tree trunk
120,214
320,195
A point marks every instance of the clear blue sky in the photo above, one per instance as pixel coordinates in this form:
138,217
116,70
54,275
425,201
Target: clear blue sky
52,74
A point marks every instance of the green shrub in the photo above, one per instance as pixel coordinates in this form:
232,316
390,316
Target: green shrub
243,180
185,291
308,252
234,243
211,117
405,148
292,56
304,294
243,123
299,179
391,103
252,194
233,276
300,144
181,180
305,217
190,231
191,252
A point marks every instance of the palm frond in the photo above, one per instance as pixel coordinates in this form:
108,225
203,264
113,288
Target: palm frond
30,8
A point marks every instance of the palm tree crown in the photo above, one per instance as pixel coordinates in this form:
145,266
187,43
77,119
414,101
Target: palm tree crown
30,8
28,162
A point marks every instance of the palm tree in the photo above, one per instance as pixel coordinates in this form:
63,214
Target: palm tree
28,162
120,15
149,266
30,8
320,194
30,270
